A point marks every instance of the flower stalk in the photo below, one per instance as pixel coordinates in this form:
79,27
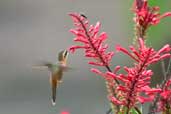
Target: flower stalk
93,47
145,17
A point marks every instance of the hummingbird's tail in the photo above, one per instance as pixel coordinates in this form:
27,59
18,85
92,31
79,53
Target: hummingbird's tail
54,94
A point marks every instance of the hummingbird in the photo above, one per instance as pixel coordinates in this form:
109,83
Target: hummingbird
56,72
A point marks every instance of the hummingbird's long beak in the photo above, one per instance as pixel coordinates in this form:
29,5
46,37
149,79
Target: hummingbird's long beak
62,57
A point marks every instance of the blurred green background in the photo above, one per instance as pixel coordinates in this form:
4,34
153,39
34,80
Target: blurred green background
36,30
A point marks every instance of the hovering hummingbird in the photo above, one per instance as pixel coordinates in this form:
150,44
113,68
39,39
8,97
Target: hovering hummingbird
56,72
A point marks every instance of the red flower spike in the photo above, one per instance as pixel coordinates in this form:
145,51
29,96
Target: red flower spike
146,15
137,78
93,42
165,99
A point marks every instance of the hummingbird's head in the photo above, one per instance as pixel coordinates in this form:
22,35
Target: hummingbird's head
62,57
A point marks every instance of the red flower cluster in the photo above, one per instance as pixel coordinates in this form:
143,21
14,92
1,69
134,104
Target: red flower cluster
137,79
132,86
93,42
146,15
165,99
145,55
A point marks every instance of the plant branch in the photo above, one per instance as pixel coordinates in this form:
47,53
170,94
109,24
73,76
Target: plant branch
166,74
135,81
109,89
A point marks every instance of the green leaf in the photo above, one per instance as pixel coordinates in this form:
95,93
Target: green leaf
132,111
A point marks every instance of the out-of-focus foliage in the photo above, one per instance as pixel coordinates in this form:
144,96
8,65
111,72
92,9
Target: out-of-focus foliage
160,34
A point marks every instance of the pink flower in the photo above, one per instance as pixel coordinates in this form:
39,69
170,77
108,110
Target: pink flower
146,54
135,82
93,42
132,86
165,97
146,15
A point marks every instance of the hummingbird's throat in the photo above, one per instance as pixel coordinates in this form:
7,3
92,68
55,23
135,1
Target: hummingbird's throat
62,63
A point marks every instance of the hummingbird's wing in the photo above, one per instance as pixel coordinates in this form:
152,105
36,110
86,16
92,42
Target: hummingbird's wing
43,65
55,77
39,67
